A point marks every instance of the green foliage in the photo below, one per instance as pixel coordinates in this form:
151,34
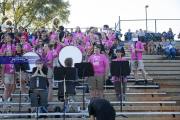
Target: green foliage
38,12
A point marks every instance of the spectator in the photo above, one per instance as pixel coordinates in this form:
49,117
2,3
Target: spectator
141,35
150,47
169,48
128,35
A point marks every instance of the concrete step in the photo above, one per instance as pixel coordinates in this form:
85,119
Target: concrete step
164,72
154,68
147,115
147,102
112,97
162,65
126,108
161,61
157,57
165,77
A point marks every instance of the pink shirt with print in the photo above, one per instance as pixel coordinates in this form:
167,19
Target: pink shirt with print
9,69
100,63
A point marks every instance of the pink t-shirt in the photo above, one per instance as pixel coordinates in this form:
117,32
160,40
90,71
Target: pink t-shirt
78,35
49,58
59,47
111,37
138,55
9,69
39,51
99,62
108,43
27,47
82,49
53,36
8,48
55,53
68,42
35,42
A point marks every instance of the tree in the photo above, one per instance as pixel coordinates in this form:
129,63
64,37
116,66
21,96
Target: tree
38,12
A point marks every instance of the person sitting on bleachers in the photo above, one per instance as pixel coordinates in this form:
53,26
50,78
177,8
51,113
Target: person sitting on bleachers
169,48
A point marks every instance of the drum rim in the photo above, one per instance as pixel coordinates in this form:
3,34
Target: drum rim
66,47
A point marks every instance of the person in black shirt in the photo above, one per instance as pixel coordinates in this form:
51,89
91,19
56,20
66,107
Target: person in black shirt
70,82
41,71
113,49
61,33
101,109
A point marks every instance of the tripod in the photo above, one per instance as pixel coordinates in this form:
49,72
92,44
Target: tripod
66,85
120,69
84,70
21,64
38,92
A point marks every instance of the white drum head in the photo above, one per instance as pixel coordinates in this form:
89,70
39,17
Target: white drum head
70,52
32,57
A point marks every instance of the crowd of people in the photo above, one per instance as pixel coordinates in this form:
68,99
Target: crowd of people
97,47
156,43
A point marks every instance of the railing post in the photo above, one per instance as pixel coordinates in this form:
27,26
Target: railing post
119,23
155,26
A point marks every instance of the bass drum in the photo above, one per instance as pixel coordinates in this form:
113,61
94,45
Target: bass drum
31,57
70,52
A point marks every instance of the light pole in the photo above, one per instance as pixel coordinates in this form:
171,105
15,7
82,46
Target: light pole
146,17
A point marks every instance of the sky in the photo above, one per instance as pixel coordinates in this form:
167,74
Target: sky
86,13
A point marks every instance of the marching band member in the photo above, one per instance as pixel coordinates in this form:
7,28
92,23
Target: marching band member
8,71
25,45
100,65
8,45
116,80
48,52
137,64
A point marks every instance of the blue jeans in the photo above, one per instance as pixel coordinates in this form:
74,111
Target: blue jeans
170,53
